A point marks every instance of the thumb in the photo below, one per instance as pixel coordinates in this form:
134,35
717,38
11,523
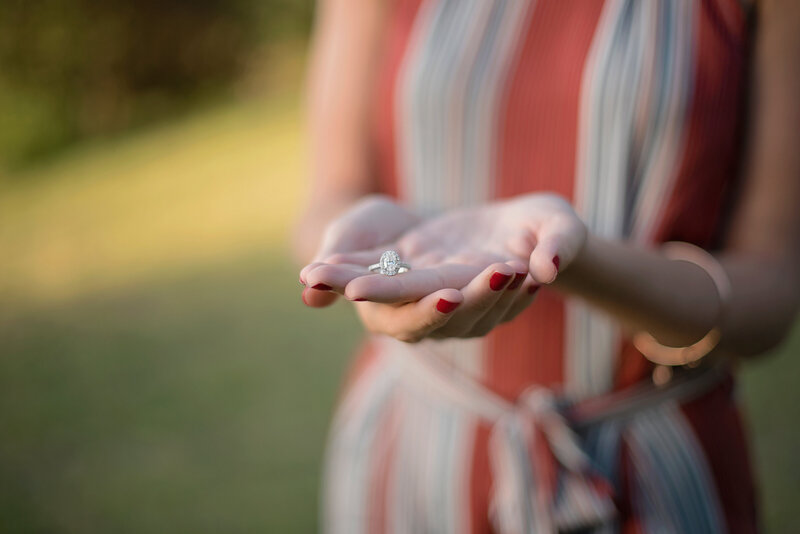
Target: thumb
557,244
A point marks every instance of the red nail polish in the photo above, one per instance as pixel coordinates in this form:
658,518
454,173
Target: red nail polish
556,262
321,287
533,289
445,306
517,281
498,281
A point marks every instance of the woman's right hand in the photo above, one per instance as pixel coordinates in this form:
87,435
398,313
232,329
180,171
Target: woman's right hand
371,222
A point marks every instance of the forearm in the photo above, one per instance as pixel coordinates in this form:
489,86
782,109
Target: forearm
345,51
677,301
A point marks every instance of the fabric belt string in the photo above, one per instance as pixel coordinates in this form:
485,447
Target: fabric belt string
543,481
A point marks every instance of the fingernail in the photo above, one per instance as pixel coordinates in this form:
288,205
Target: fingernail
445,306
556,262
517,281
533,289
321,287
498,281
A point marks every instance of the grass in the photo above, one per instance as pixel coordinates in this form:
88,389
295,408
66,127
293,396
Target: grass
217,185
157,369
199,403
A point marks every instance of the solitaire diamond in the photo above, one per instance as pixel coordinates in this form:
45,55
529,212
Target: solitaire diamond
390,263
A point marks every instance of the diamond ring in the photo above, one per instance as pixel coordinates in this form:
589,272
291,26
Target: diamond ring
390,264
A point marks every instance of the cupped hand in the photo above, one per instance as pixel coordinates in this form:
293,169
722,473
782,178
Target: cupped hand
370,222
472,269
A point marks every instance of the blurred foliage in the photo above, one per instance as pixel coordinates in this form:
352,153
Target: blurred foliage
71,69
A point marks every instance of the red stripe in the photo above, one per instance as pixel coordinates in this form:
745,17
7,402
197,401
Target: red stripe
717,424
694,214
381,469
480,482
632,367
365,357
384,126
537,153
711,159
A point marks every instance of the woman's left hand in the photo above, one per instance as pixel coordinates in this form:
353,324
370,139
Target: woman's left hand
472,269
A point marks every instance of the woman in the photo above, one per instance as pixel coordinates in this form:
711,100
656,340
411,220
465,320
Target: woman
533,156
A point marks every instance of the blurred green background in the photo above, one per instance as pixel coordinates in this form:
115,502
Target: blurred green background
158,372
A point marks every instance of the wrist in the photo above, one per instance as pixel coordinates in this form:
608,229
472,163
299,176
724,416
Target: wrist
571,275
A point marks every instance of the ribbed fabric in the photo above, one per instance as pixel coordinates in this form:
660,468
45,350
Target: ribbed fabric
630,109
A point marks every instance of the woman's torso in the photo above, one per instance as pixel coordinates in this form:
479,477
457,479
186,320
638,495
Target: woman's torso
630,109
633,111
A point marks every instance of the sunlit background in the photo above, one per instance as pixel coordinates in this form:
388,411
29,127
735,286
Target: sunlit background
158,371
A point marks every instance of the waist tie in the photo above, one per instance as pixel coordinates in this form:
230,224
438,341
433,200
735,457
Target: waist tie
543,481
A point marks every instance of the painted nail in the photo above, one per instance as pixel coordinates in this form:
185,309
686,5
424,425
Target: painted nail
498,281
321,287
445,306
533,289
556,262
517,281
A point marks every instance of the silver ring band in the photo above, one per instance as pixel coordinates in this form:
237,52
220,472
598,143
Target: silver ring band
402,267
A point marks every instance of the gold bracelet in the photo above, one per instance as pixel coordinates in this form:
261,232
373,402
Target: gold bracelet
690,355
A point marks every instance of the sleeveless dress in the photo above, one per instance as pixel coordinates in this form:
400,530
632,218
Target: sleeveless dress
634,111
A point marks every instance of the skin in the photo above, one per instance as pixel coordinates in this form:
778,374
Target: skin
456,254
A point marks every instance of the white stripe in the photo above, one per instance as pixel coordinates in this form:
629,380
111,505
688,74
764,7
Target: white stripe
346,480
589,344
634,102
450,92
669,142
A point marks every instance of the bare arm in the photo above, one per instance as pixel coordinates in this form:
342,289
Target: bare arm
676,301
346,45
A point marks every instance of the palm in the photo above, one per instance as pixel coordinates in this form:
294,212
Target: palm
464,237
373,221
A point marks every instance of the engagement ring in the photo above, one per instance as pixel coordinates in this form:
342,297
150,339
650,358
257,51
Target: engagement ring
390,264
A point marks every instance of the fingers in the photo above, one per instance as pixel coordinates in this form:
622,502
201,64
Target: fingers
524,298
307,269
413,321
315,298
557,244
333,277
410,286
515,292
318,297
481,295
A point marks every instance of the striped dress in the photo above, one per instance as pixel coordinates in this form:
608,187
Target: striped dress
633,110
